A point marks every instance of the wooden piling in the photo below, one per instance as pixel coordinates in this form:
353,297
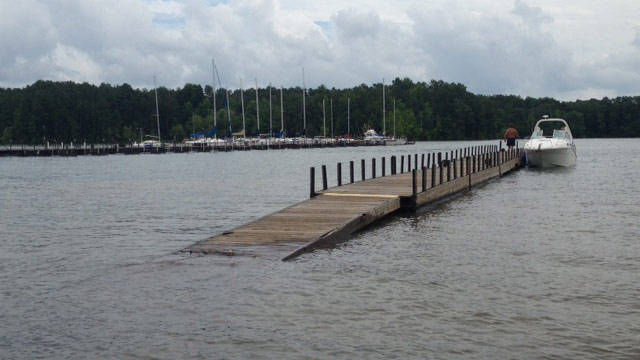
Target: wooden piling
312,182
373,168
401,164
362,166
455,169
324,178
339,173
414,183
440,168
384,166
351,175
424,178
468,167
393,165
433,176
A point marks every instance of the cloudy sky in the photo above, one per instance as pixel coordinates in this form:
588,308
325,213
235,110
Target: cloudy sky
564,49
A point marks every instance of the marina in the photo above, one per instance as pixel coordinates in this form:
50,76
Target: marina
222,145
331,215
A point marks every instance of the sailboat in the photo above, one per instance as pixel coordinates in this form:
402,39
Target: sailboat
390,141
151,144
209,138
371,137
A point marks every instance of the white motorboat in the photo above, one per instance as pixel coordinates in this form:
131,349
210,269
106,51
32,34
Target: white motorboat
371,137
391,141
557,149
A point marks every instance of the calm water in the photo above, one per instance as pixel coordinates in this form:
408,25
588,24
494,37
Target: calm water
538,264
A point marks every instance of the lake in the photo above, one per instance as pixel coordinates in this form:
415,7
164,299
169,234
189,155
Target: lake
536,264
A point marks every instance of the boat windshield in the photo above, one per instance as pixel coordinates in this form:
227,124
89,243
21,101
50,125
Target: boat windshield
560,134
537,134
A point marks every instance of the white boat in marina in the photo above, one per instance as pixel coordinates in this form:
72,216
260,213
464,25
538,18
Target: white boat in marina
557,149
392,141
371,137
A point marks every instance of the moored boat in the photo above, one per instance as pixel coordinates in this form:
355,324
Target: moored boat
557,149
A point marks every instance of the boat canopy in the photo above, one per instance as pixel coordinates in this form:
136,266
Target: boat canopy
204,134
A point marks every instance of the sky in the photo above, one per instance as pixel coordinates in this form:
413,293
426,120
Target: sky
563,49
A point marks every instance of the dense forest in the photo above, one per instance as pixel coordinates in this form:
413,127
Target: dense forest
67,111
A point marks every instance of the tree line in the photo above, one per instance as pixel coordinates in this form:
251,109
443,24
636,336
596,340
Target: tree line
436,110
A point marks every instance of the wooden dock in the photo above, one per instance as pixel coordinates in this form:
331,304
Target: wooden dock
111,149
332,215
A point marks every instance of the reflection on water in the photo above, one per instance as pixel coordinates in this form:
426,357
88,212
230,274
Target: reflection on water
535,264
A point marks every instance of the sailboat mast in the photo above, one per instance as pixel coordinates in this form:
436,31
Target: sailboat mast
331,106
226,98
304,106
213,94
281,111
244,130
394,118
384,112
257,108
228,112
155,89
348,117
324,125
270,114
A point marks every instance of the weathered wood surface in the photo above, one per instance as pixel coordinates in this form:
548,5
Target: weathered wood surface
335,213
312,221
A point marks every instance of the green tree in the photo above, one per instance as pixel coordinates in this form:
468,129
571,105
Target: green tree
177,132
6,136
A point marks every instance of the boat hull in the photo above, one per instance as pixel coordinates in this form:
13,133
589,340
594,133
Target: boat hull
546,158
394,142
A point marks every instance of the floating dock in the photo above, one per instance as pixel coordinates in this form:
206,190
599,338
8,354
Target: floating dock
111,149
332,215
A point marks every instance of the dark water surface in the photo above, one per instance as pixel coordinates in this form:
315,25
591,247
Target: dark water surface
537,264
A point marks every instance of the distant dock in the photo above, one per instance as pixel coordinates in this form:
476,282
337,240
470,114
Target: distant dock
332,215
111,149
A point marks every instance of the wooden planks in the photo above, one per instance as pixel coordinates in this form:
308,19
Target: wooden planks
333,214
316,222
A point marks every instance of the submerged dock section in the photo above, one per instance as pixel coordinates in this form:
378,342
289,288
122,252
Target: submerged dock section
332,215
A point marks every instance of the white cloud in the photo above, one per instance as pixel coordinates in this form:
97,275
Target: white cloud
527,47
532,15
69,63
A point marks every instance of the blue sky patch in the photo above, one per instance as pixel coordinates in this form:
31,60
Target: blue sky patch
168,20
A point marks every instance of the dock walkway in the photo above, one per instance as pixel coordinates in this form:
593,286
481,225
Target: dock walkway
331,215
111,149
